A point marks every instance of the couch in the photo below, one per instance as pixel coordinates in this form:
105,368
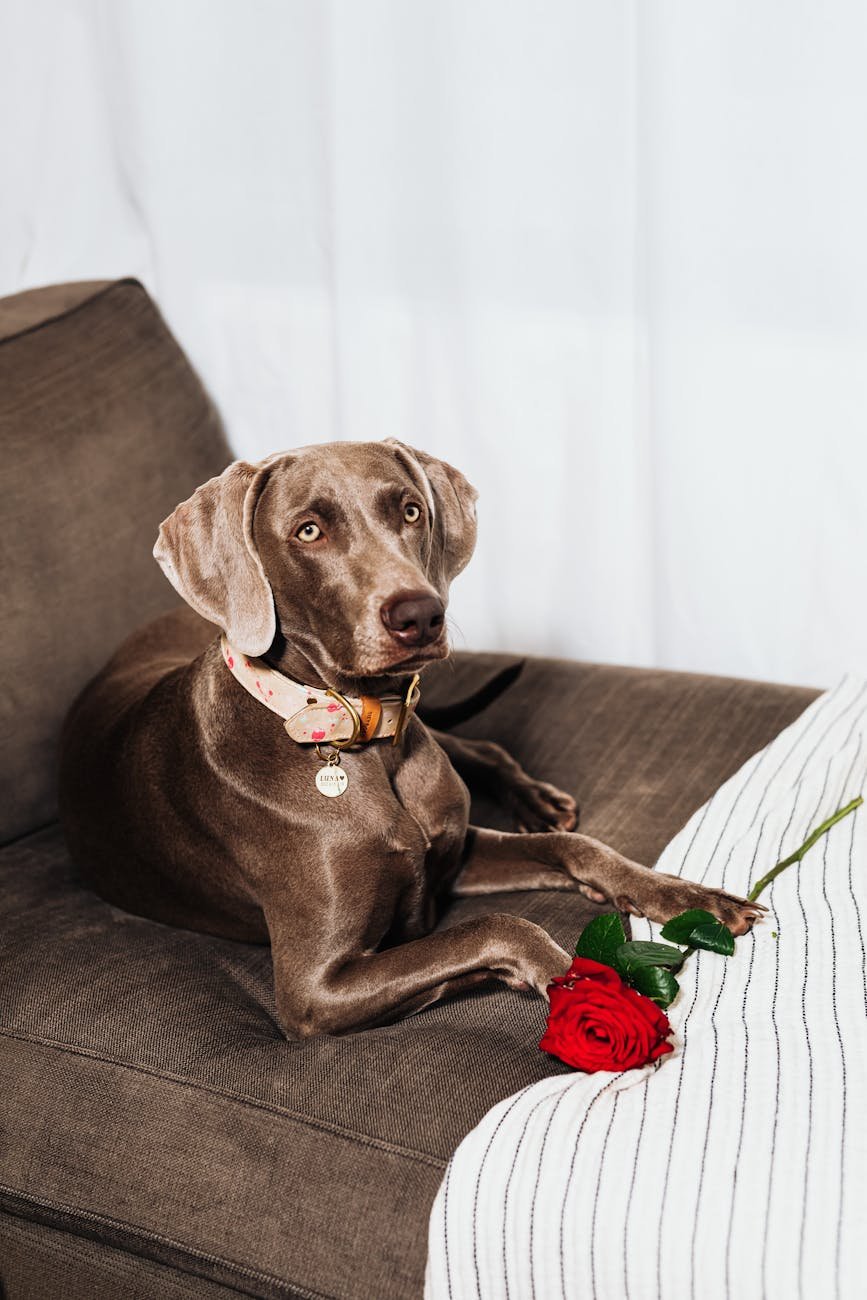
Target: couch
158,1135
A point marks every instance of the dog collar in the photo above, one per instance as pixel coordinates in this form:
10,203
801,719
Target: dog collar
314,716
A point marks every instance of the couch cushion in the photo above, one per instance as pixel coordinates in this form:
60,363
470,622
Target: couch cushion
153,1104
641,749
104,428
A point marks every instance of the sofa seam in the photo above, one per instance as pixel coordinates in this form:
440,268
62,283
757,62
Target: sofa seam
34,830
140,1234
72,311
244,1099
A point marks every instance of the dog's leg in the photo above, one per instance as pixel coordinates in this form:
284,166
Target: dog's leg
335,995
498,861
536,805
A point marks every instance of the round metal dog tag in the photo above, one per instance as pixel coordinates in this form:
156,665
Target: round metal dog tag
331,780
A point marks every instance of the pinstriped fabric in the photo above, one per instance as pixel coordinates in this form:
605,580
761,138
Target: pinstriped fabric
737,1166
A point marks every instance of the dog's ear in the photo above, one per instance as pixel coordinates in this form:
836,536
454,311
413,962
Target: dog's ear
453,503
206,550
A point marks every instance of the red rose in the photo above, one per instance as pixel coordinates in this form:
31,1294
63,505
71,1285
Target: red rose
596,1022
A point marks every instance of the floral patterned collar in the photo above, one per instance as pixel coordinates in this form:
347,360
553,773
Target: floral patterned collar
316,716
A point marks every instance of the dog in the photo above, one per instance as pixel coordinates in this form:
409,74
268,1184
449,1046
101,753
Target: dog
274,782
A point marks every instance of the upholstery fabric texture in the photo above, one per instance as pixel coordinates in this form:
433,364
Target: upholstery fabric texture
105,428
159,1111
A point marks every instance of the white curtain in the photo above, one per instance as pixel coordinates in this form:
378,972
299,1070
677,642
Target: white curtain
609,259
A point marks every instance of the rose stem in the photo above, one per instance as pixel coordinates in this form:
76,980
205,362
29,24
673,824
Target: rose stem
805,847
793,857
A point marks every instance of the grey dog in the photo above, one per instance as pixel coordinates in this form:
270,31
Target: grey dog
184,799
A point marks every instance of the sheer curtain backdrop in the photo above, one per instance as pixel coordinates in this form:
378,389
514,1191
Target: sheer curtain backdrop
610,259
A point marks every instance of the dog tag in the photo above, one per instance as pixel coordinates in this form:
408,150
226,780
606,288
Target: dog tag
331,780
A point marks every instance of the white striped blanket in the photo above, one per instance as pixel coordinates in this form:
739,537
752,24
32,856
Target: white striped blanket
738,1166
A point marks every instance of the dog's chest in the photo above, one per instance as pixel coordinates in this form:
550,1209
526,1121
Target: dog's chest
432,796
424,837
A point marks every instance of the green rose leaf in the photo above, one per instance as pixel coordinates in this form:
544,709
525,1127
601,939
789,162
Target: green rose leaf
713,936
656,983
601,938
679,928
640,952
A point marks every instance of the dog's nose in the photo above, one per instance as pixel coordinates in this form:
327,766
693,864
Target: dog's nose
413,617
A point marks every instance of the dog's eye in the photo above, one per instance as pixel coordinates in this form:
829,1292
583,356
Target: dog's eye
309,533
412,513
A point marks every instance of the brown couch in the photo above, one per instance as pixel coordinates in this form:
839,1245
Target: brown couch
158,1136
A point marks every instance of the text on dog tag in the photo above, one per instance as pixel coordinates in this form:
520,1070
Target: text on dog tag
331,780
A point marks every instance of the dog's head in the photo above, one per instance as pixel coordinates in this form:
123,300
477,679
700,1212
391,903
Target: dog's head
340,554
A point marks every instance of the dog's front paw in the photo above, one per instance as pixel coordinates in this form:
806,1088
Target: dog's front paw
664,896
538,806
523,955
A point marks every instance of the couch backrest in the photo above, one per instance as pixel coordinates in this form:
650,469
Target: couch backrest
104,428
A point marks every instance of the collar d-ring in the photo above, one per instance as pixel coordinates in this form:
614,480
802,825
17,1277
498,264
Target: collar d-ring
356,723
